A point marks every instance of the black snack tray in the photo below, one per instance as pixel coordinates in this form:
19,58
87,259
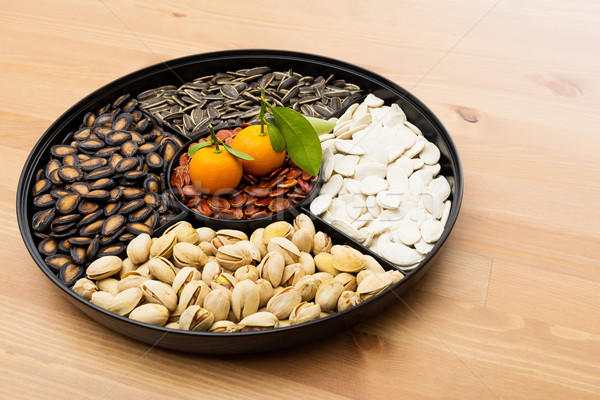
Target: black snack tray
179,71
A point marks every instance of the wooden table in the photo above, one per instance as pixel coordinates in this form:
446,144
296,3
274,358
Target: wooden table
511,308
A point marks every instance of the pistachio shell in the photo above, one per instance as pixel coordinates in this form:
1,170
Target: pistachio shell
192,294
277,229
224,326
303,221
128,266
205,234
265,291
328,294
196,318
188,255
218,302
160,293
246,272
102,299
348,280
85,288
347,259
252,249
133,279
292,274
245,299
163,246
289,250
104,267
256,238
210,271
138,250
110,285
307,286
303,239
282,304
187,234
321,243
271,267
259,321
373,285
162,269
155,314
304,312
233,256
348,299
184,276
324,263
126,301
307,263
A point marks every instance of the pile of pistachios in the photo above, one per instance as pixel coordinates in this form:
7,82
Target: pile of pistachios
224,281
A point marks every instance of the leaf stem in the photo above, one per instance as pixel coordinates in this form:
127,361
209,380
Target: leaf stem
261,116
214,139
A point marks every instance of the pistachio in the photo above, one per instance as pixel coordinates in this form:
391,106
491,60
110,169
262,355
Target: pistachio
196,318
271,267
110,285
233,256
396,276
277,229
176,226
265,291
362,275
187,234
245,299
126,301
288,250
321,243
347,259
159,293
128,266
207,248
282,304
246,272
224,326
252,249
256,238
303,221
348,280
328,294
210,271
307,286
205,234
218,302
154,314
133,279
102,299
173,325
324,263
142,270
163,246
292,274
192,294
322,276
138,250
304,312
303,239
184,276
104,267
348,299
373,284
371,264
162,269
85,288
258,322
188,255
224,281
307,263
227,236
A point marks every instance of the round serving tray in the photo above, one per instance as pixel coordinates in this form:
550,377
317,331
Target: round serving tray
186,69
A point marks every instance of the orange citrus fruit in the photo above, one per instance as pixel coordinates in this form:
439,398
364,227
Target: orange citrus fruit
266,160
215,173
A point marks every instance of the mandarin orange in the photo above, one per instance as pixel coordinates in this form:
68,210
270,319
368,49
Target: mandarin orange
215,173
250,141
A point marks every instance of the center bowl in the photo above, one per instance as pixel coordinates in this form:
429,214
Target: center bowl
186,69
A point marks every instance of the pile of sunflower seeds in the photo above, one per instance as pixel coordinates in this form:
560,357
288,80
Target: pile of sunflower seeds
228,99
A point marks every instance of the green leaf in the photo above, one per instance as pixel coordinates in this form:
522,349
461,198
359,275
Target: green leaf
321,126
302,141
275,136
237,153
194,148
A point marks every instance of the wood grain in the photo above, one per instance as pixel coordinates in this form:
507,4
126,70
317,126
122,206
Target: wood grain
510,308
